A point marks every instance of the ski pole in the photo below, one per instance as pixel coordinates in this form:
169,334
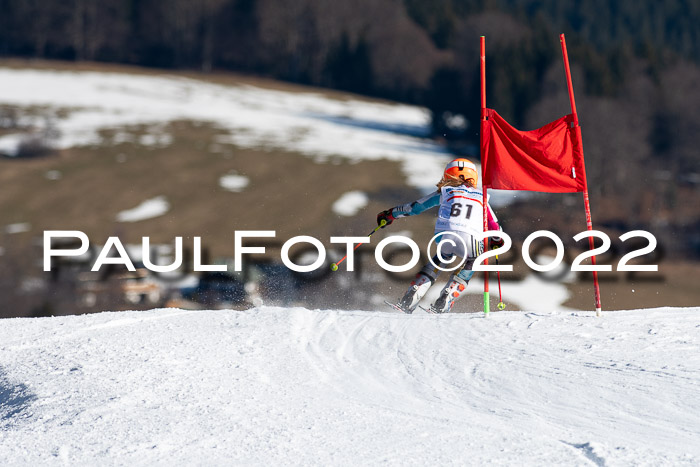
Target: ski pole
501,305
334,266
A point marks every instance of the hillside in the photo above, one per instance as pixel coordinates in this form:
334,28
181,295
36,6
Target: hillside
635,69
301,387
126,137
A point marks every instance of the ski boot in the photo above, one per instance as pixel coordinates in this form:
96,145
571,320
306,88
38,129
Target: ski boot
415,293
454,287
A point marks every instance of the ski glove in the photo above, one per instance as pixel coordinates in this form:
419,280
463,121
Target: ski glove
385,216
495,242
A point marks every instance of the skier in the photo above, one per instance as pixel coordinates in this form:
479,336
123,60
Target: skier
460,212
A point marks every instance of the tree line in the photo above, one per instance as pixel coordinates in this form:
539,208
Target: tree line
419,51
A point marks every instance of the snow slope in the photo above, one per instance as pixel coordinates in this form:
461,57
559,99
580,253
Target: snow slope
294,386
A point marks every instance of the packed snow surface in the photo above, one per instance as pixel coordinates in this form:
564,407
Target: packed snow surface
350,203
149,209
271,386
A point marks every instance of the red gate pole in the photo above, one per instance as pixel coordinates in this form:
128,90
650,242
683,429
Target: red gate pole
586,203
487,304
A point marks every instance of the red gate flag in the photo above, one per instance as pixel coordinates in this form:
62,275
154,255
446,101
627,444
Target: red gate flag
549,159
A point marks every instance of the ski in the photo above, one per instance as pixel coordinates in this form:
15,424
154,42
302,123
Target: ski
396,307
429,310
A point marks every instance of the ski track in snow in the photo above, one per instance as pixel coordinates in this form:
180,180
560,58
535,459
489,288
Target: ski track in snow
294,386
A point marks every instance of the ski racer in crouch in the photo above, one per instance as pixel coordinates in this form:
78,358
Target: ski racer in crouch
461,211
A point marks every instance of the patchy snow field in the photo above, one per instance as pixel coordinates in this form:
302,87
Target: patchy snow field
350,203
234,182
309,123
149,209
271,386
